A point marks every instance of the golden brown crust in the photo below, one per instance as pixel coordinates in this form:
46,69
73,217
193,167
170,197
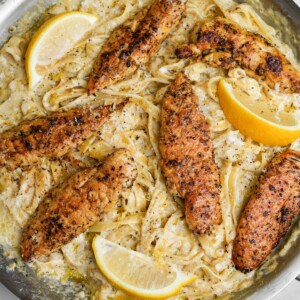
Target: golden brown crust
134,43
187,157
269,213
222,43
51,136
71,209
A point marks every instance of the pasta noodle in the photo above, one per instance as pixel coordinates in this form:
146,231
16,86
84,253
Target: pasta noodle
149,220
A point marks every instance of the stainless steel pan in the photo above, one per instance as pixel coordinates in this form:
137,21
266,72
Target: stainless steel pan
27,286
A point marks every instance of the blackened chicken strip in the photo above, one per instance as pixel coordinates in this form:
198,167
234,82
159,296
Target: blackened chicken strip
222,43
51,136
269,213
73,208
187,157
134,43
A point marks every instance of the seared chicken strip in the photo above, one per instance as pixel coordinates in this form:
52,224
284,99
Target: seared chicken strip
134,43
269,213
187,157
71,209
222,43
51,136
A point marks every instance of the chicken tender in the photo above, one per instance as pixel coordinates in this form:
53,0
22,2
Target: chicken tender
269,212
51,136
134,43
73,208
222,43
187,157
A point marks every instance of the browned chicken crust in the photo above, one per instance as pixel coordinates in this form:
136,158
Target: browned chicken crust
71,209
222,43
134,43
269,213
187,157
51,136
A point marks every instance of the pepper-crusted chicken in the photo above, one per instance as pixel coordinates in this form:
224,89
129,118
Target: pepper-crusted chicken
222,43
71,209
269,212
187,157
134,43
51,136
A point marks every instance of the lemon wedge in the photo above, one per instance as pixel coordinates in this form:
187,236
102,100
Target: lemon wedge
53,40
255,119
136,273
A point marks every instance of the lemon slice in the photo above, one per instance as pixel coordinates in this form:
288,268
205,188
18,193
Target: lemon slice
255,119
53,40
136,273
